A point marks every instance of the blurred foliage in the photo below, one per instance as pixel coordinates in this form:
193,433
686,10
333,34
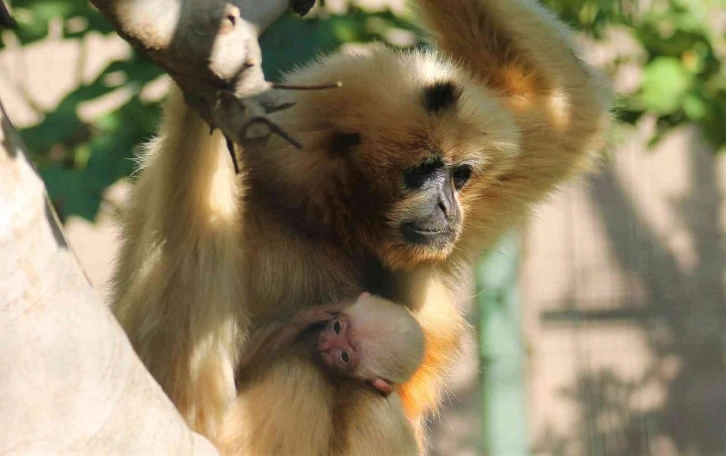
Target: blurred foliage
292,41
682,61
79,160
680,50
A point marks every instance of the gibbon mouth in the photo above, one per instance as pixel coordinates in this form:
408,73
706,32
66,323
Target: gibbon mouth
418,234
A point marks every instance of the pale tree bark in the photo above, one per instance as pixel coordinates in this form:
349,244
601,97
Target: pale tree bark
70,382
210,49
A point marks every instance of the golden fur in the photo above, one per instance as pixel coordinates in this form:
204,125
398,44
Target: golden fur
320,225
177,288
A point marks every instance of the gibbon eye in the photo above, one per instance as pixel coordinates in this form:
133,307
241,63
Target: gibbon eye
417,176
337,327
345,357
461,176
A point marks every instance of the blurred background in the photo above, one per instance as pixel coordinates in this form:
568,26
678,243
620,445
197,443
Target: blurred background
600,328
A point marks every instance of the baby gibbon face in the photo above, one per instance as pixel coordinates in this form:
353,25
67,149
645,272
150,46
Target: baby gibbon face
406,146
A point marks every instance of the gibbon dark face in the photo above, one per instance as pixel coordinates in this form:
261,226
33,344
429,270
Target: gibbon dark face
438,221
397,165
427,216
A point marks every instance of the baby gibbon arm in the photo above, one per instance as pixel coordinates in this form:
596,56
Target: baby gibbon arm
177,285
266,341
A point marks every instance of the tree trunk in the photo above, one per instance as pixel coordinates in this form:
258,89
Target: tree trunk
70,381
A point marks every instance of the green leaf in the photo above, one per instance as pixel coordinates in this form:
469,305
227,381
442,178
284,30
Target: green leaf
68,191
56,127
713,121
665,82
34,15
694,106
292,41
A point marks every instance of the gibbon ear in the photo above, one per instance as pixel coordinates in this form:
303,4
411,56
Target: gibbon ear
344,143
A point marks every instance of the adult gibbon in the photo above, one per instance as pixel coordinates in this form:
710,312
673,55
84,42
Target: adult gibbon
409,171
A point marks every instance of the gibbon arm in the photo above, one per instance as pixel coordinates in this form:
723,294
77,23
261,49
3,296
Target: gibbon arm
525,56
177,288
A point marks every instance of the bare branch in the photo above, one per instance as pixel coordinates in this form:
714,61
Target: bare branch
210,48
6,20
333,85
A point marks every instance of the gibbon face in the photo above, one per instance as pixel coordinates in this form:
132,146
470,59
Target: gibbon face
402,151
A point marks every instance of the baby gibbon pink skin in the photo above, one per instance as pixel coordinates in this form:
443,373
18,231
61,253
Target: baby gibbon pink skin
337,352
373,340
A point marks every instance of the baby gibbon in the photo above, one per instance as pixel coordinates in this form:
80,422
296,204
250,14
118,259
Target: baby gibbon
372,340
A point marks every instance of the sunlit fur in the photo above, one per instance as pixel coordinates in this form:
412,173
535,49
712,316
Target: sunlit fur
186,325
388,338
359,192
322,224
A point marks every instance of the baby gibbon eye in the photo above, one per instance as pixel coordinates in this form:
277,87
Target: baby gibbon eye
345,357
337,327
461,176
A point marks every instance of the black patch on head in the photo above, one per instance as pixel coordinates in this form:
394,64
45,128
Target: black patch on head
440,96
343,143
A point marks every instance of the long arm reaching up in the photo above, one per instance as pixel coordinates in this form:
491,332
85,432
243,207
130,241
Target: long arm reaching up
525,56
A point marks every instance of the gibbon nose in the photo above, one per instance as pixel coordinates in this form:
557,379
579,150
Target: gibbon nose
447,205
444,208
447,200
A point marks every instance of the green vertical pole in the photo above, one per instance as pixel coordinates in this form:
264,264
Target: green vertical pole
502,351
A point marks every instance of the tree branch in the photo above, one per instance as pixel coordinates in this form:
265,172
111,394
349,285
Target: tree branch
6,20
210,49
